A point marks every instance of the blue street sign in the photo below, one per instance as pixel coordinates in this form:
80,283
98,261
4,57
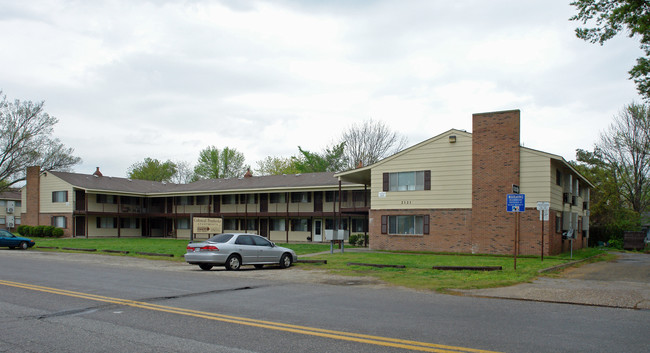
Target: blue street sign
516,202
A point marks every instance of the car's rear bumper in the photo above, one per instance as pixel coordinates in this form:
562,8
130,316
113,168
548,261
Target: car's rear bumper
205,257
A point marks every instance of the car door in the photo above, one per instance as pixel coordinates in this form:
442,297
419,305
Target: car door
267,252
246,248
7,239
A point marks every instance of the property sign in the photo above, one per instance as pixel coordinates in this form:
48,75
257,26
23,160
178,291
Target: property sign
207,225
516,202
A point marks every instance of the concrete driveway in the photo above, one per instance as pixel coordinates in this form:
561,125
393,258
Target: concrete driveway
624,283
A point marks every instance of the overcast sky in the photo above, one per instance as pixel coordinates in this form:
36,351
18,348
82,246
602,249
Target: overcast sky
165,79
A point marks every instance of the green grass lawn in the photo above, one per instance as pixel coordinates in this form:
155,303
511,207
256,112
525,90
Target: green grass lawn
417,274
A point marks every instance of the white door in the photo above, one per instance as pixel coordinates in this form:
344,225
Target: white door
318,230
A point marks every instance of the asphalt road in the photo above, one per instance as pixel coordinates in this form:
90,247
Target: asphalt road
53,302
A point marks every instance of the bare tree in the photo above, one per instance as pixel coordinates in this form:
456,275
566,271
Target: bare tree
625,147
370,142
26,140
184,173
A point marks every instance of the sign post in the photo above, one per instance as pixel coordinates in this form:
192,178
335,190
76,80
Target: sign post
543,207
516,203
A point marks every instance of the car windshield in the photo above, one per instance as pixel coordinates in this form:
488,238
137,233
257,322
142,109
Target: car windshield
220,238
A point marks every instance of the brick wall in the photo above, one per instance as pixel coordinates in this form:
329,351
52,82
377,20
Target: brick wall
449,231
495,168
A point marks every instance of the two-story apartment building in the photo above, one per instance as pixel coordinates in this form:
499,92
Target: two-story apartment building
449,193
301,207
445,194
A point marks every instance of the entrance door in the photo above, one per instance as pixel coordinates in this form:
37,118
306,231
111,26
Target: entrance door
318,230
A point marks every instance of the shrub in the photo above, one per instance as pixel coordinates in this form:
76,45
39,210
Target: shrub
47,231
38,231
615,243
57,232
352,240
22,229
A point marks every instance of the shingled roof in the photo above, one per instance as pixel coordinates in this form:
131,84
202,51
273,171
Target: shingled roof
146,187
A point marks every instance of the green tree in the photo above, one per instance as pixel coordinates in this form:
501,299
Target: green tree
26,140
330,160
611,17
217,164
153,169
276,166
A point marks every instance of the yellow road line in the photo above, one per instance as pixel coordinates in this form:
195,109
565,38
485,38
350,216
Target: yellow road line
305,330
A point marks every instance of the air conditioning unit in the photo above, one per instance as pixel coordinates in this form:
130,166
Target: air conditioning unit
10,225
10,210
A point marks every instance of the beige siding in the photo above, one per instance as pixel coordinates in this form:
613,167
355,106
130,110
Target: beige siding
49,184
536,176
451,175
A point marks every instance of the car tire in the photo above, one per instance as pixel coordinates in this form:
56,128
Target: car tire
24,245
258,266
206,267
233,263
285,261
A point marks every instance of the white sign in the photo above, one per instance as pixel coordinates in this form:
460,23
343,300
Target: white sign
381,194
543,207
203,225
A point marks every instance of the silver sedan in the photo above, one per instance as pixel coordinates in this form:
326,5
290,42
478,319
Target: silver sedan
234,250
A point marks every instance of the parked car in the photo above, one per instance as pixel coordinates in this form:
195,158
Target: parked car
234,250
13,241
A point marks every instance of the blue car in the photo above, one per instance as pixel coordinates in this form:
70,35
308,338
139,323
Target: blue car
13,241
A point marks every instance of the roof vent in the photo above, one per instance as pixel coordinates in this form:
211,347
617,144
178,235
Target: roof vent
97,173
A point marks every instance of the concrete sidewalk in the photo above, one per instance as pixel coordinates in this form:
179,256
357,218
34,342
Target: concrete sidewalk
624,283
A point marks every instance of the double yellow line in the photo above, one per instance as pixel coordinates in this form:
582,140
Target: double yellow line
304,330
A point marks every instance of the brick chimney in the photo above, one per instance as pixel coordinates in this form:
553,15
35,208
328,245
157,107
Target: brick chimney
97,173
248,174
495,168
32,189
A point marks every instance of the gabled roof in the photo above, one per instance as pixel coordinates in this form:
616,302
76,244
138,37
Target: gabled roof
107,184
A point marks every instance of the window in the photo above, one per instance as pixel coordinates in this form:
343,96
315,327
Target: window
558,177
229,199
183,223
333,196
300,225
278,224
259,241
17,221
330,223
244,240
300,197
128,200
558,223
106,222
251,199
3,220
59,196
18,203
278,198
101,198
230,223
203,200
132,223
60,222
407,181
405,225
358,225
184,200
3,203
251,224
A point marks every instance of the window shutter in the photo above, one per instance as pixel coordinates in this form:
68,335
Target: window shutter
66,196
65,222
53,221
53,197
427,180
384,224
425,224
99,222
386,182
114,222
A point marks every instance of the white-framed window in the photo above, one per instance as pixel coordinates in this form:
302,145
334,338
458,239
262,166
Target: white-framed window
406,181
278,224
60,222
59,196
17,221
3,220
411,225
18,203
3,203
